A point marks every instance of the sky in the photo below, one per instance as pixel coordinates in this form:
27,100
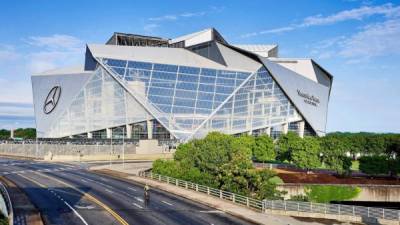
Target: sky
358,42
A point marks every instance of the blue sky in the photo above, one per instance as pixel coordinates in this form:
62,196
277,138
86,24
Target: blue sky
357,41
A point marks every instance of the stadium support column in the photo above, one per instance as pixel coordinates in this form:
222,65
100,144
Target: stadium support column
149,129
128,131
268,131
301,129
285,128
90,135
109,133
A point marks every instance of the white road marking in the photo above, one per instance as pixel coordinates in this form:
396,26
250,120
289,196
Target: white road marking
83,180
132,189
76,213
5,173
137,205
103,179
109,191
139,199
167,203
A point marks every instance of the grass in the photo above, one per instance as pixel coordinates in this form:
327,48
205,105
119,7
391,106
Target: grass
355,164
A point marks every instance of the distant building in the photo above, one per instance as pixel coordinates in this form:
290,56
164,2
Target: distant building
180,89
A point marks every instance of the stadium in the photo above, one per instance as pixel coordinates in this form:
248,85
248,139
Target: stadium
152,88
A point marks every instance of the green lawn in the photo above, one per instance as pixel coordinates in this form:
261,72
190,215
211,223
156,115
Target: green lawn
355,164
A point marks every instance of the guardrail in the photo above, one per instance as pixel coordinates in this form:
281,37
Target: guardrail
6,196
282,205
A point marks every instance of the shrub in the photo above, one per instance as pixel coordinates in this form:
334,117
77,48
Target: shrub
263,149
329,193
374,165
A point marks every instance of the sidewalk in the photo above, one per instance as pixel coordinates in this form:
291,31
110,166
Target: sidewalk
219,204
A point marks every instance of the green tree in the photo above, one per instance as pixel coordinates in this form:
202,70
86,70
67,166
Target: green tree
263,149
285,145
374,165
375,144
334,155
307,156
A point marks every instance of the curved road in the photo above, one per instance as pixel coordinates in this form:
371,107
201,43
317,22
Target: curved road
69,194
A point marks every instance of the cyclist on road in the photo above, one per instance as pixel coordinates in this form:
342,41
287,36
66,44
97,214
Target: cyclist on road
146,194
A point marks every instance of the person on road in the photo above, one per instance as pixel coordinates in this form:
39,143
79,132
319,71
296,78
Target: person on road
146,194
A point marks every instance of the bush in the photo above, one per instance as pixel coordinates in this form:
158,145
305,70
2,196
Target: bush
374,165
329,193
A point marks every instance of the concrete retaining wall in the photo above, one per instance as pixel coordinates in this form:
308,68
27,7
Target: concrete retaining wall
71,152
377,193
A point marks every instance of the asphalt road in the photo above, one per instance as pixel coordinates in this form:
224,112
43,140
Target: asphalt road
69,194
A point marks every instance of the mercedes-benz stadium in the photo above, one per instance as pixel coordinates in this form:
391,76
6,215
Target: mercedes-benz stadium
143,87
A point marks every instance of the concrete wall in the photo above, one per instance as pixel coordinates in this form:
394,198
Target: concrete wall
376,193
69,152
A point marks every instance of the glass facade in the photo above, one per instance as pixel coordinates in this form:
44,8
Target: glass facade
102,103
182,102
180,97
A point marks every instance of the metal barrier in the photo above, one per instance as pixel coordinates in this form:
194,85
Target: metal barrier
283,205
6,197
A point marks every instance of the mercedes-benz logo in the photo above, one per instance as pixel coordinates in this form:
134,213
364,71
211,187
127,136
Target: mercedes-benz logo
52,99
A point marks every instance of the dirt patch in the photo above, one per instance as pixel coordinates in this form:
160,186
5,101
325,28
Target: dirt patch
23,208
293,176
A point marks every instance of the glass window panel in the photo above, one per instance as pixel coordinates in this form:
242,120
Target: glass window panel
139,65
161,91
189,70
205,96
204,104
166,68
186,86
208,72
184,102
115,62
185,94
206,88
164,76
188,78
227,74
207,80
225,81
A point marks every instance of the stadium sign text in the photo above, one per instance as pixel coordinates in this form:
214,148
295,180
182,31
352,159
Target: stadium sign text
309,99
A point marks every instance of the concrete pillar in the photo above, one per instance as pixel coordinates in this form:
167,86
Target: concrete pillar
268,131
285,128
109,133
149,129
90,135
70,136
12,133
301,129
128,131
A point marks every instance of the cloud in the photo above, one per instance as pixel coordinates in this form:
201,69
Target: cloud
177,16
387,10
373,40
149,28
55,51
7,53
56,41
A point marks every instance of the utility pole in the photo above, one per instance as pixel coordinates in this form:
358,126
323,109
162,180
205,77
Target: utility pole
123,147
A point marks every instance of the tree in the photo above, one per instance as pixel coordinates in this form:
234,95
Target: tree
220,161
375,144
285,145
334,155
307,156
263,149
374,165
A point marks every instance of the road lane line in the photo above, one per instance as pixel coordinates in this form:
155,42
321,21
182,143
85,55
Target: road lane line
139,199
137,205
132,189
76,213
44,186
90,197
109,191
167,203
